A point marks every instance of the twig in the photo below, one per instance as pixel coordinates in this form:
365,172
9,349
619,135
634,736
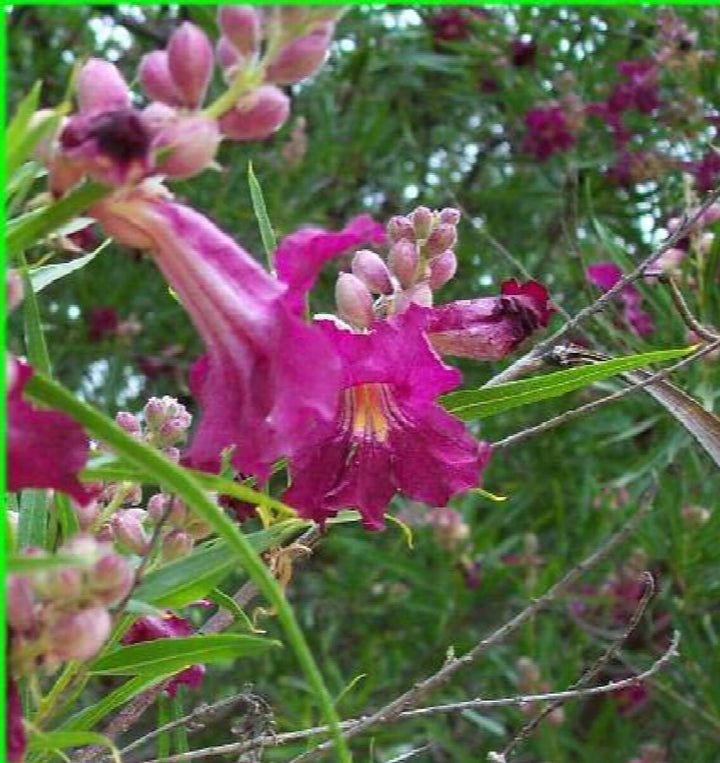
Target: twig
416,694
523,365
685,313
274,740
587,407
591,672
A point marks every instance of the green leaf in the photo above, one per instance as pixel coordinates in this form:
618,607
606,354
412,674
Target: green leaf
228,603
32,228
28,564
189,579
170,655
258,202
34,338
43,276
483,402
49,741
18,126
33,519
28,141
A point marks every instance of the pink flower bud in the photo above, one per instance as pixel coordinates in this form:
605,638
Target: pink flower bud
354,301
442,269
227,54
44,148
696,516
128,529
403,261
101,87
258,115
372,271
64,174
15,290
62,585
129,422
190,59
155,411
111,578
157,506
399,228
175,545
86,514
710,215
442,237
241,25
156,80
20,604
450,216
302,57
80,635
422,220
191,142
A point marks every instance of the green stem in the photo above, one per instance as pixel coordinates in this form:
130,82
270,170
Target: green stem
244,82
174,479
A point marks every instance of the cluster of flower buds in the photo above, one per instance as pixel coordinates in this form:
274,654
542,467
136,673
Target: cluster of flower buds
420,261
180,527
529,681
61,613
449,528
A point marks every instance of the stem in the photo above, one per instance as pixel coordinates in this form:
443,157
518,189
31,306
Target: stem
175,479
244,82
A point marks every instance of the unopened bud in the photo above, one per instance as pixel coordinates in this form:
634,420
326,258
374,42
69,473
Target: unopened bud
20,604
157,506
44,147
129,422
442,269
449,216
403,261
241,26
705,242
80,635
101,87
399,228
354,301
422,221
190,59
528,674
156,80
442,237
227,54
370,268
696,516
190,142
14,289
86,514
257,115
175,545
128,529
302,57
61,585
710,215
111,578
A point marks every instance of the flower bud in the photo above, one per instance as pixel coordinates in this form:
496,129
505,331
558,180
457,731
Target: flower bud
696,516
302,57
129,422
175,545
191,143
705,242
128,528
61,586
156,80
354,301
710,215
190,60
80,635
157,506
111,578
84,547
372,271
449,216
20,604
63,175
442,269
226,54
257,115
14,289
44,147
197,529
240,24
403,261
399,228
422,221
86,514
442,237
101,87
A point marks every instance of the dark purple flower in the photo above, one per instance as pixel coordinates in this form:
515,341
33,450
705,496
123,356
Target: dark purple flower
606,275
389,435
707,171
301,255
151,627
45,449
102,322
523,52
548,132
14,730
455,23
638,91
490,327
631,699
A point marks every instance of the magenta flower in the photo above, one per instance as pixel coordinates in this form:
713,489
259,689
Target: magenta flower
149,628
455,23
267,377
490,327
523,52
389,435
707,170
14,730
639,89
606,275
301,255
46,449
548,132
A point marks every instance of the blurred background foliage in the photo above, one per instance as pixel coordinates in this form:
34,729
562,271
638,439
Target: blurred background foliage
421,105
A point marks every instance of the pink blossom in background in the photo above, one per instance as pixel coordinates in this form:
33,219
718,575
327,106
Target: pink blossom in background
606,275
389,434
14,730
547,132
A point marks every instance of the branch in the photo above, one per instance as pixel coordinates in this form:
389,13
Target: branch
685,313
587,407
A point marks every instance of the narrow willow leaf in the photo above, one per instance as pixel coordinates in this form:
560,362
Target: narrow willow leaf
42,277
50,741
228,603
37,351
170,655
29,564
258,202
18,126
33,519
29,140
479,403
